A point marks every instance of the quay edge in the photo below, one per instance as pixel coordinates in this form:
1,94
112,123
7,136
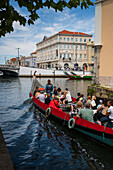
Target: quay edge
100,92
5,160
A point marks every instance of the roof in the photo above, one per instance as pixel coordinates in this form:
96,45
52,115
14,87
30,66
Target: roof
75,33
13,59
34,52
66,32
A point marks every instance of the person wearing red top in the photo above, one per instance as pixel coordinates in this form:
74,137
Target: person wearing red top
55,104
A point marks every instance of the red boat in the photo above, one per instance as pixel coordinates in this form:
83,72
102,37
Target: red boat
100,133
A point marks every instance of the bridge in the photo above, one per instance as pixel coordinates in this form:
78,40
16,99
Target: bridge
8,70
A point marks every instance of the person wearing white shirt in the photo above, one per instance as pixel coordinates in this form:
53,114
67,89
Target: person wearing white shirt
109,114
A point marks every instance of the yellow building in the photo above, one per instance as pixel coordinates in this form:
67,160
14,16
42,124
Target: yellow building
64,49
103,39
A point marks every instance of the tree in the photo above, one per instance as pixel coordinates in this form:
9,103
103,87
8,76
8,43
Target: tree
8,14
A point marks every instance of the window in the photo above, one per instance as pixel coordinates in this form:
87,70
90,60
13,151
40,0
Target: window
84,39
64,45
92,49
76,47
68,46
67,39
64,56
80,56
60,38
64,38
89,39
76,57
72,39
80,47
68,56
80,39
71,46
60,55
76,39
85,47
60,46
92,58
71,55
84,56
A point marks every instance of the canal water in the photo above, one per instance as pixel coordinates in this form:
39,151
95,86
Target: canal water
36,143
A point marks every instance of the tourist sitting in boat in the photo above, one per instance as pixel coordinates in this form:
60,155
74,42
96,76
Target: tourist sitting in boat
37,93
41,97
78,94
78,107
87,114
101,110
36,90
109,113
89,100
55,92
66,90
49,87
59,91
68,98
47,100
54,103
94,104
62,98
82,99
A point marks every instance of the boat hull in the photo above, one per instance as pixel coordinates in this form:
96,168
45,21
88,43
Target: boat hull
100,133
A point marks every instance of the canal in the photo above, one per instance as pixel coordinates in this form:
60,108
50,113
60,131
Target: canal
36,143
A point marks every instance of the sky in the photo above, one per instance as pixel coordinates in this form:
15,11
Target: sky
49,23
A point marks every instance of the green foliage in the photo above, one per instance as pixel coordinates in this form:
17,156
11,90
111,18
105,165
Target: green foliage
8,14
111,95
91,91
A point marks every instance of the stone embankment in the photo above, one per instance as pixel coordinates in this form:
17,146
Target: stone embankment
5,161
100,92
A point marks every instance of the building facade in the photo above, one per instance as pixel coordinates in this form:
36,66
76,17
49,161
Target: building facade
62,50
30,61
103,39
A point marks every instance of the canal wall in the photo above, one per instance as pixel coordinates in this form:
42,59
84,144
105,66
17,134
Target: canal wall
100,92
28,72
5,161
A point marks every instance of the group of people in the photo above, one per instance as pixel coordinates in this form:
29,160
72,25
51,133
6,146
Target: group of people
88,109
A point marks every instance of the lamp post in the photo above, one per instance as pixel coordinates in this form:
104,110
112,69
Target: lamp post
5,59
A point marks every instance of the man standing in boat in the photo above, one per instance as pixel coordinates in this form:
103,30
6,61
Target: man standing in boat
49,87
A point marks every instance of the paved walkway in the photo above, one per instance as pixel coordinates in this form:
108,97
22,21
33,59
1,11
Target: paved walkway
5,161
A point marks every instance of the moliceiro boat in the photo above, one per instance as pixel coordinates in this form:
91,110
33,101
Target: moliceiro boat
98,132
77,77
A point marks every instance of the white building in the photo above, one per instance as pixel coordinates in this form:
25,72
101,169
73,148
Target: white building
31,60
64,49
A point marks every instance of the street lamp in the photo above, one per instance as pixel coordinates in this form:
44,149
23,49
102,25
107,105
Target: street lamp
5,59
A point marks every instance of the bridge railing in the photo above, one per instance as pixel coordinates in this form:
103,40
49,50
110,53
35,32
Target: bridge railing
8,66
